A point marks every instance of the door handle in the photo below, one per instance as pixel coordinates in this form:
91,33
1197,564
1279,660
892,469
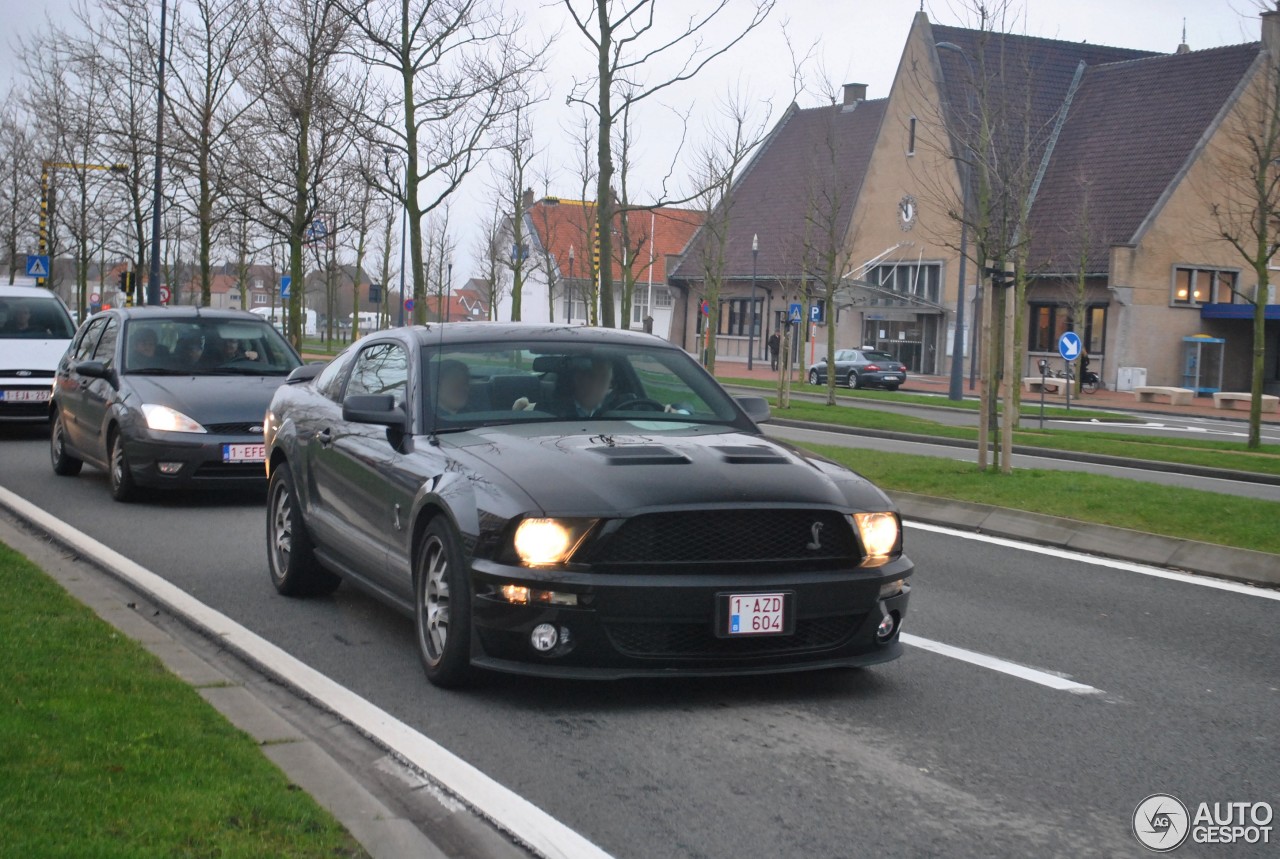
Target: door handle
325,437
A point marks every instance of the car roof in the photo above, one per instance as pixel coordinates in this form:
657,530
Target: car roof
452,333
7,291
181,311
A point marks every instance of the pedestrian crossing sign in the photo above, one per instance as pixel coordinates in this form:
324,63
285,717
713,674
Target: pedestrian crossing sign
37,265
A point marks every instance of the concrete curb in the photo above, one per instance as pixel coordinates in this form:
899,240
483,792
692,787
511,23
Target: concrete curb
1172,553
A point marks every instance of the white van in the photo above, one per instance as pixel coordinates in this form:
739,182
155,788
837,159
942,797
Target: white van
35,331
276,317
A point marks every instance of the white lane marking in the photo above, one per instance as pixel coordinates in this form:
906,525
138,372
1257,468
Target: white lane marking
1014,669
511,812
1128,566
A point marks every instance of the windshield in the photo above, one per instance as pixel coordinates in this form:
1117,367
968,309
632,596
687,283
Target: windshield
35,318
482,385
194,346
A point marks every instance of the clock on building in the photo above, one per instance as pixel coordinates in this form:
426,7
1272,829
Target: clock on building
907,212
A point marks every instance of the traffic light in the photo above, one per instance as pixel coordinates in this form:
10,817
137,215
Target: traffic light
124,281
375,293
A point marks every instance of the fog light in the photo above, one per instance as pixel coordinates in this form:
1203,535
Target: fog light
521,595
543,637
884,631
170,467
516,594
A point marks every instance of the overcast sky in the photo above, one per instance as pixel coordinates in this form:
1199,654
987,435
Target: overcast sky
856,41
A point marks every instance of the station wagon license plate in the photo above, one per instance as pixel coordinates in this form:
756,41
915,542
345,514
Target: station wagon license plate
26,395
244,452
893,378
756,614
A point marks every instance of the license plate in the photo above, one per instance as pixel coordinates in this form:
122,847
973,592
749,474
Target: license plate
757,614
244,453
26,395
893,378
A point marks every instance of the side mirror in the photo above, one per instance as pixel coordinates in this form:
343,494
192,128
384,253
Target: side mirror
94,370
377,409
757,408
305,373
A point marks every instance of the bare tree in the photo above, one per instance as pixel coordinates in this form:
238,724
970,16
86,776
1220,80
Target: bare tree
515,197
1244,203
305,96
19,187
629,42
459,68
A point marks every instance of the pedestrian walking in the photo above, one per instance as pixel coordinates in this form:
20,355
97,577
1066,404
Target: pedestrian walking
774,346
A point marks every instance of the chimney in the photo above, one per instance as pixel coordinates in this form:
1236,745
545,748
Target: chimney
526,200
854,93
1271,31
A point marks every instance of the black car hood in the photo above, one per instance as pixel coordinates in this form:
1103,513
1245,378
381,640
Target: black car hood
618,466
207,399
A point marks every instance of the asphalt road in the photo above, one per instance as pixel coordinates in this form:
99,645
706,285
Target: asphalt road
926,756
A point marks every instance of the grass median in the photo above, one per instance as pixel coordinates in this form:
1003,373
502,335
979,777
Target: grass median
1191,514
104,753
1231,455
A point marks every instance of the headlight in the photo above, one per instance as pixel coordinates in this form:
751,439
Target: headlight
165,419
545,542
879,533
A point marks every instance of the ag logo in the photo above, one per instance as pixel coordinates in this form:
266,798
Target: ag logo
1161,822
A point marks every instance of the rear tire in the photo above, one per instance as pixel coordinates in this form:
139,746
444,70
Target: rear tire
290,553
442,607
855,381
64,464
119,473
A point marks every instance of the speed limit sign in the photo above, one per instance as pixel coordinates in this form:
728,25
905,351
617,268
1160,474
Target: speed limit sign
164,295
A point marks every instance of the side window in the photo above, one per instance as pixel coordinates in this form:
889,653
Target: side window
106,349
329,382
88,339
380,369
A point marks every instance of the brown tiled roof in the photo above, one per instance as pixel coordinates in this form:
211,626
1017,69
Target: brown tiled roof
1129,132
777,190
561,224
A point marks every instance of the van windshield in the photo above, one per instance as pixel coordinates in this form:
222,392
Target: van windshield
35,318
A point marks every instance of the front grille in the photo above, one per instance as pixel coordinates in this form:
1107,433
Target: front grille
235,429
697,639
230,470
26,374
815,539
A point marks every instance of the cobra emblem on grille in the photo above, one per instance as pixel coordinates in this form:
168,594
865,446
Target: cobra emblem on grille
816,530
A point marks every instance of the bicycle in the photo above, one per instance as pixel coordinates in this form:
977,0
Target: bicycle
1089,383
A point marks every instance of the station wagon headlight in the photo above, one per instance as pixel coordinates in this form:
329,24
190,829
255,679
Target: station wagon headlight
545,542
879,533
165,419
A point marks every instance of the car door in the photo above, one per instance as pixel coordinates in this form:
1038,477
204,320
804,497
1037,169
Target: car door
71,385
97,395
348,463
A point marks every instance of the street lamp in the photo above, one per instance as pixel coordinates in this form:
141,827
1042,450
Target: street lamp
751,333
153,282
448,294
955,390
572,288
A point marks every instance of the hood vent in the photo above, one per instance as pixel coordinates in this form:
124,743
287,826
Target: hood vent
751,455
641,455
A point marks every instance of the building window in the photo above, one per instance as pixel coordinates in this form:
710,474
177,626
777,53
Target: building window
661,296
1050,321
920,280
639,304
911,136
1193,287
735,317
260,298
575,306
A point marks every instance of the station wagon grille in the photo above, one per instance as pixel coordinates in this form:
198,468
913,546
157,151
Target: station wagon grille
814,538
235,429
697,639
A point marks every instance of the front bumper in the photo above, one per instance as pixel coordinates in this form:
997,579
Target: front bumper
24,403
199,460
665,624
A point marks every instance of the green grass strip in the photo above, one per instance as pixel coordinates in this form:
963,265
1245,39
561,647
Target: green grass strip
104,753
1192,514
1203,452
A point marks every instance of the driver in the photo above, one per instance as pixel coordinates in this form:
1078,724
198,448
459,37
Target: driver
589,387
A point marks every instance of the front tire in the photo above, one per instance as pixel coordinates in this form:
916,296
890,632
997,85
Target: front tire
442,607
64,464
290,552
813,377
120,474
